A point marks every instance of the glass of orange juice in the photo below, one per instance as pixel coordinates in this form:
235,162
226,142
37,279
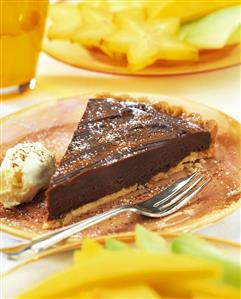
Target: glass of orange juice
22,24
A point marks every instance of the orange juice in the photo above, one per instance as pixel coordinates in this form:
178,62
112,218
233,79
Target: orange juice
22,25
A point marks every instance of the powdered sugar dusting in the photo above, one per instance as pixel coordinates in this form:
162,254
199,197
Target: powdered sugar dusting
111,130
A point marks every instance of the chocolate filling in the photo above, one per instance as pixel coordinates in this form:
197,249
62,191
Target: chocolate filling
116,145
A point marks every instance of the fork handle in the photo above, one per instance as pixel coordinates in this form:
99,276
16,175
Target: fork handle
31,250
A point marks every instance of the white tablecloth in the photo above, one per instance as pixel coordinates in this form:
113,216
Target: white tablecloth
219,89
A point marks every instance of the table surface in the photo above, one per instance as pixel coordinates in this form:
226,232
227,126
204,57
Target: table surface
219,89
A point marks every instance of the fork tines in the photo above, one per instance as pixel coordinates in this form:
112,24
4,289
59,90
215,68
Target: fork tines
181,192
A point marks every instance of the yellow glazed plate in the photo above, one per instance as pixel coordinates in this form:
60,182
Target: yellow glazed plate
53,124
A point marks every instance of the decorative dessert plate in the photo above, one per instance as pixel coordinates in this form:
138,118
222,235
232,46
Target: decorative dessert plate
53,124
34,271
78,56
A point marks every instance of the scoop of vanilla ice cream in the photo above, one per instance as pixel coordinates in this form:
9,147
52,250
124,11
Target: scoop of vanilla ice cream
25,170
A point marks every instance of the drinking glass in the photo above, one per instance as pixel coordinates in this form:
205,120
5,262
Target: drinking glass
22,24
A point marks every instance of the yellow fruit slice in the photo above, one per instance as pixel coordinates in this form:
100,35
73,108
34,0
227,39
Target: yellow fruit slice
96,25
59,28
174,50
94,16
131,267
91,37
89,247
140,40
148,51
135,14
143,53
185,10
121,292
117,6
114,6
154,42
162,28
121,39
97,4
213,290
235,37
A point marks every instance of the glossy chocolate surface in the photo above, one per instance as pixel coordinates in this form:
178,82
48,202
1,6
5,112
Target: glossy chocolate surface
116,145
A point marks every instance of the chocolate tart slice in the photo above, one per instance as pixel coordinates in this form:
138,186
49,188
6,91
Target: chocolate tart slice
120,144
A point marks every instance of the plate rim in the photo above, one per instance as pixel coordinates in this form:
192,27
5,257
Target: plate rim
124,237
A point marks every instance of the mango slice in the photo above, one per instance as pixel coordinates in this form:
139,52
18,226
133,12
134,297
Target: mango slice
89,248
185,10
213,290
193,271
130,267
214,30
121,292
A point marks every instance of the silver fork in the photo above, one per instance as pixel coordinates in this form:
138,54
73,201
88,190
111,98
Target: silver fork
165,203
